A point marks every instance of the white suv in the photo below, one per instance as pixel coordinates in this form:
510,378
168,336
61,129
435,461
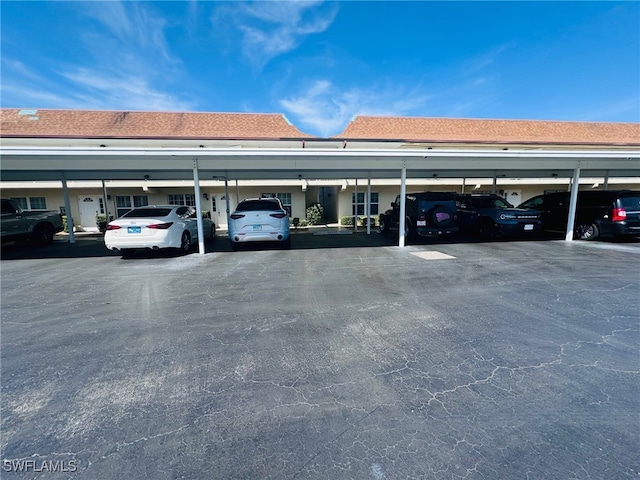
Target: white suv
259,220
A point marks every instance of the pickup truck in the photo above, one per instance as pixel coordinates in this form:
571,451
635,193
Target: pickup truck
17,224
427,214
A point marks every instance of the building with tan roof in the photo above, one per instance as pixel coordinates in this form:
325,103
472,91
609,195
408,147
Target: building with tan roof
115,160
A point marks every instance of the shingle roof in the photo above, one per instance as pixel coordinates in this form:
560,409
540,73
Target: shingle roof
458,130
252,126
123,124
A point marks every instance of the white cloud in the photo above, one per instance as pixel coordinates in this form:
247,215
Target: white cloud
271,28
327,109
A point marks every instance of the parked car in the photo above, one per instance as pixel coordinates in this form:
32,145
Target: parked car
39,225
598,212
155,227
427,214
490,216
259,220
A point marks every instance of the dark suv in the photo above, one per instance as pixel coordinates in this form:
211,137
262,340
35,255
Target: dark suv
491,215
599,212
427,214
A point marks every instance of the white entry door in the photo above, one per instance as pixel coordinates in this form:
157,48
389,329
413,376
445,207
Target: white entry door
514,197
89,208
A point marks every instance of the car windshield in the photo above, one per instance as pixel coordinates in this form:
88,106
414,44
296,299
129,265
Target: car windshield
148,212
492,203
252,205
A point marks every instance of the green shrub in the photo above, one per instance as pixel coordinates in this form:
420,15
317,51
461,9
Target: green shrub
101,221
362,220
314,214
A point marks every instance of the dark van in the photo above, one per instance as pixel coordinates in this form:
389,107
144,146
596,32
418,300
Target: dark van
599,212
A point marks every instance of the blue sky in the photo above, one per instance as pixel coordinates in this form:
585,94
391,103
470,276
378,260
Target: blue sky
321,63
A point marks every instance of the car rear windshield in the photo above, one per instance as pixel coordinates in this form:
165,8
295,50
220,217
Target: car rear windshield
252,205
148,212
630,203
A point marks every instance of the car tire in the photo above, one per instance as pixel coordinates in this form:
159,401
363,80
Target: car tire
587,231
383,226
185,242
486,230
409,232
43,234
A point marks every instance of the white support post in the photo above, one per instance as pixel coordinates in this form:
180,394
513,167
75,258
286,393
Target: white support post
403,194
67,208
355,206
368,205
575,185
196,188
104,200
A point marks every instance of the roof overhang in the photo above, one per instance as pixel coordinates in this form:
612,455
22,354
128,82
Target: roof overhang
20,163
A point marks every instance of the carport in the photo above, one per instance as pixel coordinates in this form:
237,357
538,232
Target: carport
396,148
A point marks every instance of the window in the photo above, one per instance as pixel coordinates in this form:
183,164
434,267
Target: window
38,203
31,203
285,199
182,199
124,203
21,201
357,204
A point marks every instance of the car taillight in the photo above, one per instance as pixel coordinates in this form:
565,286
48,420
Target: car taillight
236,216
113,227
619,214
160,226
278,215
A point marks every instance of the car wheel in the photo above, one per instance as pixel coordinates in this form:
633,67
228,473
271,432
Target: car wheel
587,232
409,232
383,227
44,234
486,230
185,242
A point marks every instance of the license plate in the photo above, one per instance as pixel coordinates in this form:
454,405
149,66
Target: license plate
421,223
528,226
134,229
257,227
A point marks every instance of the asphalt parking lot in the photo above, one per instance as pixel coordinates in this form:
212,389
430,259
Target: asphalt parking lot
502,360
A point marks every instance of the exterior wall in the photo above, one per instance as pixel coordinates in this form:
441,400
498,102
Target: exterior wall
300,199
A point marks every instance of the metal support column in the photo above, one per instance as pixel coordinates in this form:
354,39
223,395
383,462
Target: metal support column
196,188
67,208
606,180
575,185
355,205
368,205
104,200
403,195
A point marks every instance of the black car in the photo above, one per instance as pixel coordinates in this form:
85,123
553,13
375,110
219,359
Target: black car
598,212
427,214
490,216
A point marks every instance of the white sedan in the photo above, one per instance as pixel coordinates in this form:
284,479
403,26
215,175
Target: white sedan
259,220
155,227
